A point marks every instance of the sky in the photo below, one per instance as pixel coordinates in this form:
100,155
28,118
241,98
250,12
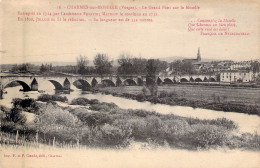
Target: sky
166,36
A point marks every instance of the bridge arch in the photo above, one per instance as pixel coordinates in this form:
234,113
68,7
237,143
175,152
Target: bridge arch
25,86
130,82
108,82
184,80
56,84
212,79
168,81
198,80
205,79
84,84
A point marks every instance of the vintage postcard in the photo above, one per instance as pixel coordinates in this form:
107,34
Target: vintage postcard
129,83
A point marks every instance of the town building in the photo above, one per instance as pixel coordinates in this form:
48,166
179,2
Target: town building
198,59
246,65
236,76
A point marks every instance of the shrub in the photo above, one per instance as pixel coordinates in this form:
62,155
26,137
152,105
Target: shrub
80,101
156,129
53,119
7,126
92,119
176,130
103,107
47,97
11,119
141,113
110,136
144,91
203,135
222,122
140,97
16,116
246,140
61,134
153,99
138,126
53,114
93,101
228,124
151,127
172,94
96,119
163,94
28,105
3,112
78,112
127,95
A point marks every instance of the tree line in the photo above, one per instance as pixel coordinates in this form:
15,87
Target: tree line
127,65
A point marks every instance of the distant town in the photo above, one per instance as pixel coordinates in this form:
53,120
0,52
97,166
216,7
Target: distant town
223,71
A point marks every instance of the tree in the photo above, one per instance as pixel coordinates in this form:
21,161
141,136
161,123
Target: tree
182,67
161,66
255,66
151,68
15,68
187,67
125,65
22,68
82,62
139,67
102,64
43,68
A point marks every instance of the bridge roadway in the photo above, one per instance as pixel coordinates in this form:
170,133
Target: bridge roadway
31,82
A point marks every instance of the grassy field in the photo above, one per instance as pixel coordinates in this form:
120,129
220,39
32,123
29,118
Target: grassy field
247,96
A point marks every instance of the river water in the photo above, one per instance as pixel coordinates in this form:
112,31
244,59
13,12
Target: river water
246,123
137,156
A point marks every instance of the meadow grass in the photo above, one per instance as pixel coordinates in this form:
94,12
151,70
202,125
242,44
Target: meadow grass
217,98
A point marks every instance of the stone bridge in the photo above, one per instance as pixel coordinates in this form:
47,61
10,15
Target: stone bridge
196,78
31,83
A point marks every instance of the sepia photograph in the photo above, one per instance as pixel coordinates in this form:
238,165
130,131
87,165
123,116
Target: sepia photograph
129,84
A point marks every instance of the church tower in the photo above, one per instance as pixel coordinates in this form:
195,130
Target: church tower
198,55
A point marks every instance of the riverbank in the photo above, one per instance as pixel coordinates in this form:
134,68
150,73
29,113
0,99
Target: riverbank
247,123
228,99
106,125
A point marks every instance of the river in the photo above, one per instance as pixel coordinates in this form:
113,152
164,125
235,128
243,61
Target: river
136,155
246,123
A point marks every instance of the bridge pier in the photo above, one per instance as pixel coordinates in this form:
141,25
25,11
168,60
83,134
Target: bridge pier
118,82
94,82
66,84
159,81
34,85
